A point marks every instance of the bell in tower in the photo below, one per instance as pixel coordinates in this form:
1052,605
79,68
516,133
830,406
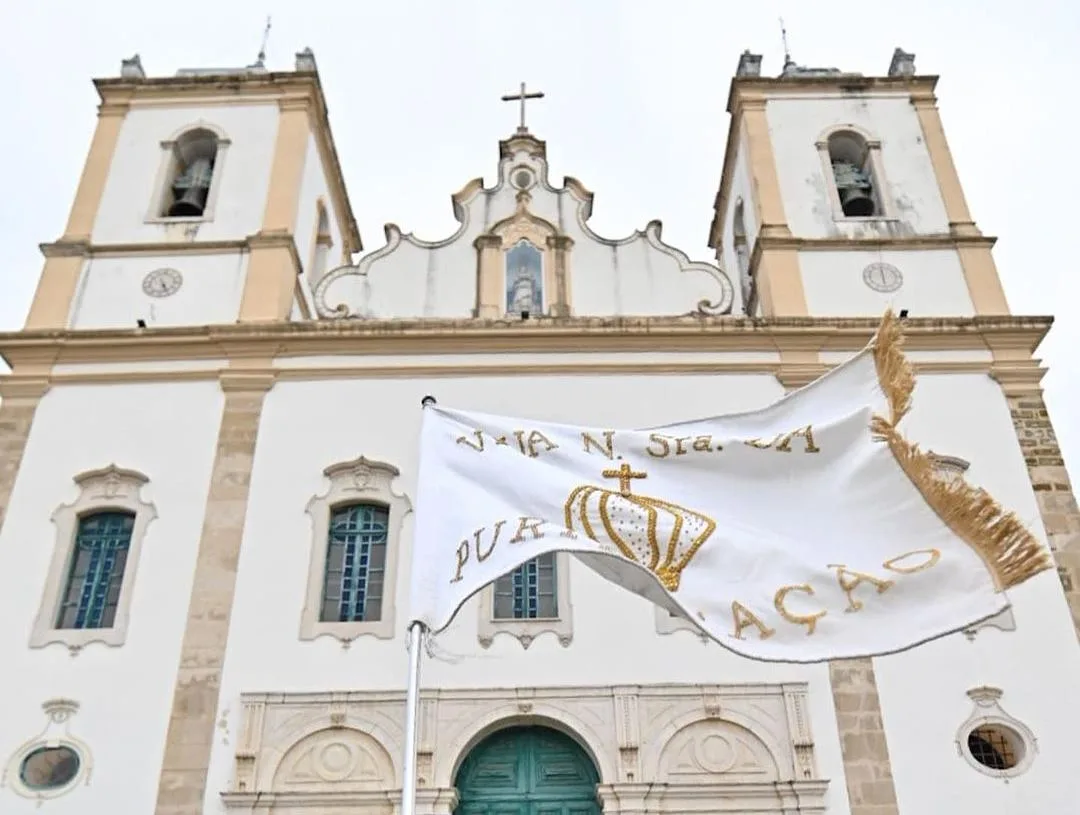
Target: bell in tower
196,153
191,188
855,189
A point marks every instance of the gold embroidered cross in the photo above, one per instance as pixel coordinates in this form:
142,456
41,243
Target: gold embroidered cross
624,474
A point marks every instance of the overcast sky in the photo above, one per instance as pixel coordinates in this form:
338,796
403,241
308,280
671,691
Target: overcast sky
635,104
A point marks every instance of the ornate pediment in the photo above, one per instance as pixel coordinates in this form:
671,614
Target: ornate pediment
523,249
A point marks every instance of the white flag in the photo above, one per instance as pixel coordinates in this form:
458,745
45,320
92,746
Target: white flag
809,530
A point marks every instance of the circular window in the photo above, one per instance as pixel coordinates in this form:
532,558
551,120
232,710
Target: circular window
49,768
996,747
523,179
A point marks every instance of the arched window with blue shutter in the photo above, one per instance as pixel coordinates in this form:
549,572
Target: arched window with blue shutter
96,572
355,563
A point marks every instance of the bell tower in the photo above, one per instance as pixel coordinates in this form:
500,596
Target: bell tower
211,196
839,198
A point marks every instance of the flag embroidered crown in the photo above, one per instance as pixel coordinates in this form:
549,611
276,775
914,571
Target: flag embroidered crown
659,535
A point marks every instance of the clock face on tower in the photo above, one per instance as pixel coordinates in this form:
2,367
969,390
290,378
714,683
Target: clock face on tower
162,282
882,277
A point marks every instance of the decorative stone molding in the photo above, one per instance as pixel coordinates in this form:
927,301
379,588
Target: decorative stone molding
356,481
725,297
988,713
510,211
527,630
1002,621
948,466
132,68
55,736
111,488
731,748
523,225
668,623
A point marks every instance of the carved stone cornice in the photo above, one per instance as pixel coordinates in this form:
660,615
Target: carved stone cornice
1018,336
1018,377
258,381
66,248
23,387
487,241
794,375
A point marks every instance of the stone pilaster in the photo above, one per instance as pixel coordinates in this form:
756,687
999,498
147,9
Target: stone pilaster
19,399
867,771
560,304
182,785
1053,490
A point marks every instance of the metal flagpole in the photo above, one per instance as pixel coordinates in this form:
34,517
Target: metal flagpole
412,700
412,710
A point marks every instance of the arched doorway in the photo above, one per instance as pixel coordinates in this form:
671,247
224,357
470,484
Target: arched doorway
527,771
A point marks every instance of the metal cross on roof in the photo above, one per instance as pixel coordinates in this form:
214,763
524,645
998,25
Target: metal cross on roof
521,96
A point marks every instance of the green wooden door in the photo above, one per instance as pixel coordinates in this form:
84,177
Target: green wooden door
527,771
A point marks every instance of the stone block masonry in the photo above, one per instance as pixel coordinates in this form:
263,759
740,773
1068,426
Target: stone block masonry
1053,490
867,772
182,786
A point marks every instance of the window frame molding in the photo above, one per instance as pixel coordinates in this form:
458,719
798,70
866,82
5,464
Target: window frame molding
877,168
166,166
527,630
359,481
109,488
56,734
987,712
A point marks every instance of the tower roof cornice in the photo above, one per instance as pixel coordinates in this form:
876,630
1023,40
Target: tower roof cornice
757,88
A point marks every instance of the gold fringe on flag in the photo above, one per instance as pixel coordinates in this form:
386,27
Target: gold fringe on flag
1011,553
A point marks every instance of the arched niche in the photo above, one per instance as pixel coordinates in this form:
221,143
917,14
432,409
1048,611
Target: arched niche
712,750
523,248
336,759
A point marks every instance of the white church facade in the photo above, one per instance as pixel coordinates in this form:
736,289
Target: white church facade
208,451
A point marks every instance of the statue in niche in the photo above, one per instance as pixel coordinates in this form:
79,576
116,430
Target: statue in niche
524,279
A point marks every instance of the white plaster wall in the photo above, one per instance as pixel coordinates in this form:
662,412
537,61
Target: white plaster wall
741,189
313,187
1037,666
130,193
796,124
934,283
110,293
418,279
633,276
168,432
615,639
